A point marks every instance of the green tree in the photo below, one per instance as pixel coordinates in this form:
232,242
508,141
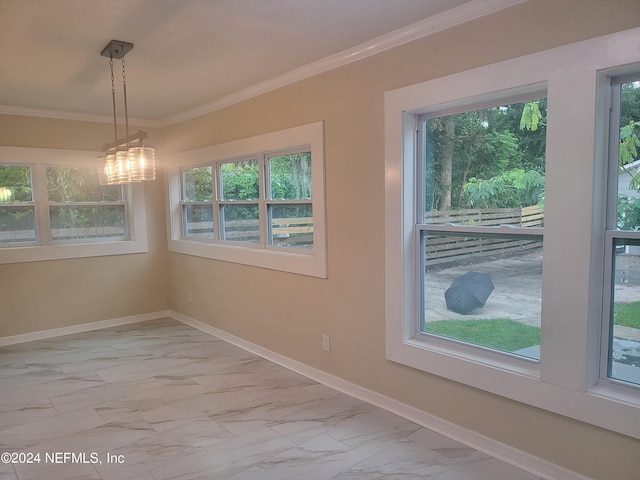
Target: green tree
513,188
477,146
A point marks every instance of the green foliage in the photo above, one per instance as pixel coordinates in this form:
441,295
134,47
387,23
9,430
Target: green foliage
629,142
198,184
498,333
514,188
240,180
487,144
17,179
628,213
65,184
531,116
290,176
628,151
627,314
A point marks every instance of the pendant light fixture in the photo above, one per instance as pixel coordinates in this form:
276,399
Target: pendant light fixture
126,159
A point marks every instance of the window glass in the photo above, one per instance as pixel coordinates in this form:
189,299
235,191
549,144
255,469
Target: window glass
240,180
483,169
624,353
290,176
66,184
486,159
84,222
484,290
292,225
198,220
240,223
17,222
198,185
81,208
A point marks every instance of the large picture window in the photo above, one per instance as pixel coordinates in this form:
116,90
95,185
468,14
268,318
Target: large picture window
258,201
52,206
480,201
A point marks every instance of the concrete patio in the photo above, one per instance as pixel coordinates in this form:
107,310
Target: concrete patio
517,295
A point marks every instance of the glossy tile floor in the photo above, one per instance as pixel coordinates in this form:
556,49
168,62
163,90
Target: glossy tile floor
160,400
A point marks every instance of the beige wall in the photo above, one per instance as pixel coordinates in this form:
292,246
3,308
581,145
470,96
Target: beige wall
288,313
43,295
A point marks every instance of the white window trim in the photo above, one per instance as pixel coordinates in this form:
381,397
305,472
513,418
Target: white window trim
312,262
567,378
135,207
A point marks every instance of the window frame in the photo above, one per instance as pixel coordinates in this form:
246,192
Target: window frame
423,228
611,232
302,261
220,202
566,381
45,248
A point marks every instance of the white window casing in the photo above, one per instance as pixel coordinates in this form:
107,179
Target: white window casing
311,261
567,379
46,249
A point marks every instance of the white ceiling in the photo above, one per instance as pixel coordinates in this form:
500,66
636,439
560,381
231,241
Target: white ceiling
191,56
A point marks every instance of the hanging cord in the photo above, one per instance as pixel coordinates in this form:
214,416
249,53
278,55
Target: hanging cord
113,97
124,91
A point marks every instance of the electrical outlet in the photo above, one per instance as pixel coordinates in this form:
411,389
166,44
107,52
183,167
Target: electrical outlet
189,297
326,344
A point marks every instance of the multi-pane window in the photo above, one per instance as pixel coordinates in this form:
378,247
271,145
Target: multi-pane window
480,209
41,204
259,200
622,238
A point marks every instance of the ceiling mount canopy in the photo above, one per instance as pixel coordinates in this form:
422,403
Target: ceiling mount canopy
116,49
126,159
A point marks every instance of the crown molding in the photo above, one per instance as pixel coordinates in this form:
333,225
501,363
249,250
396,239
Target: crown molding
74,116
436,23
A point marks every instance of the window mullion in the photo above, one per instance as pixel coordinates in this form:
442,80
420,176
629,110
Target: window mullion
41,200
263,209
215,201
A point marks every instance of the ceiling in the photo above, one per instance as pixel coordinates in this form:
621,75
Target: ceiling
193,56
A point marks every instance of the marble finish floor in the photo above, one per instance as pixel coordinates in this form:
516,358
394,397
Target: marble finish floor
159,400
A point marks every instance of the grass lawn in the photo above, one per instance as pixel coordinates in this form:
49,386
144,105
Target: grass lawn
499,333
627,314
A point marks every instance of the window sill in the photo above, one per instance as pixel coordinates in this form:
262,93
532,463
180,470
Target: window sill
308,263
40,253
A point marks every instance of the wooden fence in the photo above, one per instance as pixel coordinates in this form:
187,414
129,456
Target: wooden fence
291,232
443,248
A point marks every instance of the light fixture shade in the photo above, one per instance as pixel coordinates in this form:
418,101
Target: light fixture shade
5,194
143,163
106,169
122,167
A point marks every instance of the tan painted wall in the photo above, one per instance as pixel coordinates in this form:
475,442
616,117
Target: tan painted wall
288,313
43,295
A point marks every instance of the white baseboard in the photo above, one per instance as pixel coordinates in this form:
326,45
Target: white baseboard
522,460
83,327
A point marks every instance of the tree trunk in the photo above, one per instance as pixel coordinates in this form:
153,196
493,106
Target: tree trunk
447,164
